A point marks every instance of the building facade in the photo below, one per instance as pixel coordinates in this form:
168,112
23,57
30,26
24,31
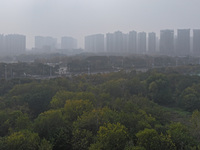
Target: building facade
167,42
132,42
94,43
183,42
110,42
125,48
141,43
151,42
68,43
118,42
14,44
45,44
2,44
196,41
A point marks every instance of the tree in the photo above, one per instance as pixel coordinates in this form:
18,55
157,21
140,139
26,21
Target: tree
189,99
12,121
23,122
36,96
92,120
195,119
45,145
111,136
159,89
103,99
148,138
135,87
59,99
52,126
62,138
46,123
116,88
151,140
22,140
180,136
39,100
75,108
82,139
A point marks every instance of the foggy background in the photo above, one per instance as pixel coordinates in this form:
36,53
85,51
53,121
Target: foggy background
78,18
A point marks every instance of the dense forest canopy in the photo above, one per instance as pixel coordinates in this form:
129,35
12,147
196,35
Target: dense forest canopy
157,109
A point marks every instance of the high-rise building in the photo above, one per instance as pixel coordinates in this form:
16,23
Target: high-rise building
132,42
45,43
110,42
118,41
15,44
196,41
1,44
183,42
68,43
141,42
125,43
167,42
39,42
152,42
94,43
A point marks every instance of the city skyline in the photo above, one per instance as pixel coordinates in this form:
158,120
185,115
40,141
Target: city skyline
80,18
183,44
59,39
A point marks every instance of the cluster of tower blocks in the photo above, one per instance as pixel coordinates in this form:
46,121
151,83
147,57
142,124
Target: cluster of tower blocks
183,43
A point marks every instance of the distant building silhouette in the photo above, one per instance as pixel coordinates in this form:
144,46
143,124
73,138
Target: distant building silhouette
14,44
118,41
167,42
183,42
152,42
141,42
68,43
2,44
110,42
125,43
94,43
45,44
196,41
132,42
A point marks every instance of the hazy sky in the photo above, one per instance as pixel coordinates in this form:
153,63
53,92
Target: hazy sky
78,18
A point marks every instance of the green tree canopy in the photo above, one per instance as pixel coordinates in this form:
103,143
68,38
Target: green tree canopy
75,108
111,136
22,140
159,89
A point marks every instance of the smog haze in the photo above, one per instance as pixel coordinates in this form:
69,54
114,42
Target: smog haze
79,18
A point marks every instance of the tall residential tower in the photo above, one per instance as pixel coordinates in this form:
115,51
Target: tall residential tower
183,42
14,44
94,43
151,42
68,43
196,41
142,43
167,42
132,42
46,44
